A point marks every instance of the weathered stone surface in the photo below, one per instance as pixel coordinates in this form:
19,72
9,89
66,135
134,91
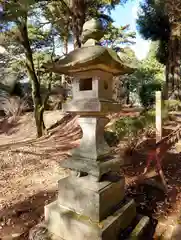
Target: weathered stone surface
91,105
68,225
88,197
140,228
92,29
119,221
92,84
92,58
92,92
94,168
93,154
92,144
152,182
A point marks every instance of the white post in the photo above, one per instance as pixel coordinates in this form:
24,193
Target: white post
158,116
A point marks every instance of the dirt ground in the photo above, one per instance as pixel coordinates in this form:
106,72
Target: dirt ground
163,208
29,171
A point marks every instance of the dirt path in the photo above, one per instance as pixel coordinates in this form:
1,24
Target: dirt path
29,172
151,201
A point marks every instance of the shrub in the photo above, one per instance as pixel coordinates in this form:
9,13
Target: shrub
130,125
111,138
12,106
172,105
147,94
135,129
18,90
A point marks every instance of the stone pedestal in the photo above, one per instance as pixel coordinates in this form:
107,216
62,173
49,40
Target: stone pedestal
91,206
87,209
92,145
93,155
90,198
68,225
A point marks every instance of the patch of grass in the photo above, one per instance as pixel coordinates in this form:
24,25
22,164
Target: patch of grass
172,105
134,130
130,126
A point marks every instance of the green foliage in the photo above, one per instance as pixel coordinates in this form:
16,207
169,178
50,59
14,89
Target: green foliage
153,24
148,76
151,69
116,36
101,6
58,13
111,138
135,129
62,15
130,126
147,94
152,74
38,37
172,105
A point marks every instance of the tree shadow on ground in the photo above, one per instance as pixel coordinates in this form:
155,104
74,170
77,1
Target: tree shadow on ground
26,214
54,147
8,126
20,217
151,200
55,129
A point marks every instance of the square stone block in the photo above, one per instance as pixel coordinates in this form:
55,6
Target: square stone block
91,105
88,197
68,225
97,168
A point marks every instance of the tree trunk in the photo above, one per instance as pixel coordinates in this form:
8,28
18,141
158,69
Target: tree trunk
38,106
64,77
65,45
78,9
165,92
128,93
36,95
174,71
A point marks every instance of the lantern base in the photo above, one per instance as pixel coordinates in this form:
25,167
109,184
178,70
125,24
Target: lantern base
98,168
87,209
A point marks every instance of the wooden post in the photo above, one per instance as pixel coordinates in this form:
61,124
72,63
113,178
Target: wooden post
158,115
159,136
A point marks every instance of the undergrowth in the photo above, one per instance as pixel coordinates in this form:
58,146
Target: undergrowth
135,130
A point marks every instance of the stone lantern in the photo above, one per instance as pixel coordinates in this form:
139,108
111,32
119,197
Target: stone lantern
90,202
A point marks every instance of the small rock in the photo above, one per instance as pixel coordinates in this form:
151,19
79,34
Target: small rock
2,224
8,222
16,235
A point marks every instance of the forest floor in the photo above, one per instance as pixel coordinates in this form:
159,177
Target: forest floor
29,171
